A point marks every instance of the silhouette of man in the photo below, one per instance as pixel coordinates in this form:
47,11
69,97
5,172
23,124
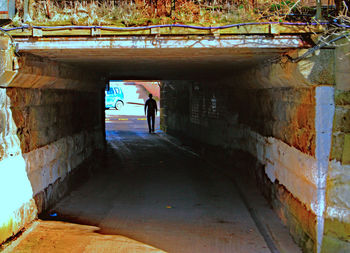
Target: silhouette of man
151,107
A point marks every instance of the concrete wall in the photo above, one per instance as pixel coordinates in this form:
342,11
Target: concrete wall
337,223
281,115
51,124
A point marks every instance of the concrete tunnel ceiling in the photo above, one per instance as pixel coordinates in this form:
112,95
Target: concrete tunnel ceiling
162,64
159,62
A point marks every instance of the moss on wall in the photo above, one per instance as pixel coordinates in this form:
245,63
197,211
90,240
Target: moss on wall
337,237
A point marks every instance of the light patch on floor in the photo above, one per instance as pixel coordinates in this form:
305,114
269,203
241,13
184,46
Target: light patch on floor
57,236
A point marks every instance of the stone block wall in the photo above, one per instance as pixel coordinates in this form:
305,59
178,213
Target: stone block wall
274,114
337,217
276,126
43,116
49,132
52,133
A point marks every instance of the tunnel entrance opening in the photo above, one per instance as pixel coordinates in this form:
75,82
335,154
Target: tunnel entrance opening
229,93
125,105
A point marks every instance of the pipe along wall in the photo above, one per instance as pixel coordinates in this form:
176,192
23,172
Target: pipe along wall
288,124
51,125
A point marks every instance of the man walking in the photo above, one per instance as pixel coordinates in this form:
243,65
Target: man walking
151,107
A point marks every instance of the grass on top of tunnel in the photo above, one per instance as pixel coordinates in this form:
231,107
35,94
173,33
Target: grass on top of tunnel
147,12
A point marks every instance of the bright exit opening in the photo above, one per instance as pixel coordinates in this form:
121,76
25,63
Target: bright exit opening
125,105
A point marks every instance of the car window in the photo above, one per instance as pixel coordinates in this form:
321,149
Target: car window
110,91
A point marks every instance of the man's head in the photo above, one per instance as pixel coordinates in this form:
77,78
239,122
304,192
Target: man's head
150,95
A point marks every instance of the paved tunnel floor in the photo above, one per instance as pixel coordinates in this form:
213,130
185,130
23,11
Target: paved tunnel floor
151,196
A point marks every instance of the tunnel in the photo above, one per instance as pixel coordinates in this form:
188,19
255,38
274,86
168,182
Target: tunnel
239,102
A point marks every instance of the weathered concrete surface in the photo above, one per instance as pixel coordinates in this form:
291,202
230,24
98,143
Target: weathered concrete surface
162,57
55,236
276,113
41,73
7,71
156,193
342,66
46,135
256,121
337,223
18,207
51,133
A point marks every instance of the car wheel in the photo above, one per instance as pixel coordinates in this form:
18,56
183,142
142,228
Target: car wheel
119,105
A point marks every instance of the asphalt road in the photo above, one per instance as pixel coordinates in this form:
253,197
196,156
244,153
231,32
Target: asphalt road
131,117
149,196
129,123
